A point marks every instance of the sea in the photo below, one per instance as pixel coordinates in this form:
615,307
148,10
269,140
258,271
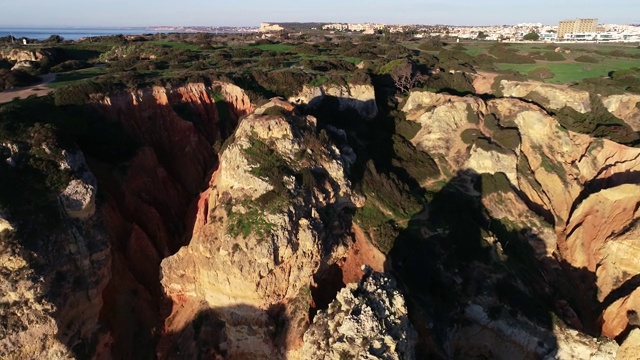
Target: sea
73,33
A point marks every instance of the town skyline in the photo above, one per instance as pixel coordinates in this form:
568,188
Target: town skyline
144,13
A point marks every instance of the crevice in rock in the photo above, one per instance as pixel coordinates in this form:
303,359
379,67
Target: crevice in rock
598,184
328,283
151,209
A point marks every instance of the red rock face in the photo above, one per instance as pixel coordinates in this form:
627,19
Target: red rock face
152,208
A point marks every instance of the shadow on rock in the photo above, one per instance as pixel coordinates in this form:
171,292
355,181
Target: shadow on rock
476,287
235,332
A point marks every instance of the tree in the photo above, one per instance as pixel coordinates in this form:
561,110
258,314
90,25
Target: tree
482,35
403,73
533,36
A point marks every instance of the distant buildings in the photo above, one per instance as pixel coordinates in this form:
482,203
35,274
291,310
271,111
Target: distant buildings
365,28
576,26
267,27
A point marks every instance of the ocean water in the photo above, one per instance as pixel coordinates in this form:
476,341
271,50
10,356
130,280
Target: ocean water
71,33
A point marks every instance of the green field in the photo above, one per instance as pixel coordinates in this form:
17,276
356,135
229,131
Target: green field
70,77
274,47
176,45
570,71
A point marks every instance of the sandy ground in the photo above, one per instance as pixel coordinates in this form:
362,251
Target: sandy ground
40,89
361,253
483,82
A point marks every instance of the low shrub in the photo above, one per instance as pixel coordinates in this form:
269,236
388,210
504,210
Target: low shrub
70,65
541,73
494,183
507,138
587,59
10,79
550,56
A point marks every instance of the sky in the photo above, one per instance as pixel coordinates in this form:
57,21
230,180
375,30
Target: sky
99,13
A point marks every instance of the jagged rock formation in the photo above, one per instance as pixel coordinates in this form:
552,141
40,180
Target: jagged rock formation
19,55
53,314
79,197
552,97
509,337
625,107
262,235
367,320
584,187
151,207
361,98
245,227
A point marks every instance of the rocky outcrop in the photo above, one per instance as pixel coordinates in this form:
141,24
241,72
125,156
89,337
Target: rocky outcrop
550,96
507,337
585,187
367,320
264,234
442,118
79,197
53,291
150,206
361,98
625,107
630,349
21,55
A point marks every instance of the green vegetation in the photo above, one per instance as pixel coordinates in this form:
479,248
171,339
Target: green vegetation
10,79
532,36
599,122
573,72
586,59
541,73
494,183
252,221
40,130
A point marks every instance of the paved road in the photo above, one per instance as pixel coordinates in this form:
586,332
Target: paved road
40,89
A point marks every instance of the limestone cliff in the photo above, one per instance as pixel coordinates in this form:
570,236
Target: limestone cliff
367,320
625,107
550,96
361,98
51,280
584,187
150,208
270,220
17,55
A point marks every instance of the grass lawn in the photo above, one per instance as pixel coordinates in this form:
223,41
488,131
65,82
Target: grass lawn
567,72
176,45
70,77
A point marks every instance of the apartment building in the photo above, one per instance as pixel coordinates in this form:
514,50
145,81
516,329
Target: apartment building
576,26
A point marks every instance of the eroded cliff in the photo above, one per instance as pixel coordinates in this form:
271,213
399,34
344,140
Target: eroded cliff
573,198
274,215
229,238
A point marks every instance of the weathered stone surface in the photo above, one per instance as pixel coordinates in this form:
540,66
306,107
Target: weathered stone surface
630,348
241,275
49,313
508,337
24,55
551,96
361,98
625,107
79,197
367,320
442,118
586,186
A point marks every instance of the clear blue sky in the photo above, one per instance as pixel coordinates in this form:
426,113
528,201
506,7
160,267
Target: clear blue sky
29,13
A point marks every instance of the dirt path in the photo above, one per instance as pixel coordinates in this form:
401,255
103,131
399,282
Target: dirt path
40,89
